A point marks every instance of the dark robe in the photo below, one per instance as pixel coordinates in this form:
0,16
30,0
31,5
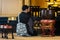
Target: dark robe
26,19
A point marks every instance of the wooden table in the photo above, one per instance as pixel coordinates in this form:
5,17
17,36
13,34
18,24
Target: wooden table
47,26
5,29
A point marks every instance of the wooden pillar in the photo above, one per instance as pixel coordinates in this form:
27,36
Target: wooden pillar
20,5
0,7
27,2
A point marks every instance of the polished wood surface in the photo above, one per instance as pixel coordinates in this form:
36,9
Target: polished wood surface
31,38
47,25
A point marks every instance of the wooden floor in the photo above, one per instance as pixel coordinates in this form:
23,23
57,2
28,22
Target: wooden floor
30,38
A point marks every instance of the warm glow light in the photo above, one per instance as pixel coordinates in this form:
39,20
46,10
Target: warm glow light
9,18
50,3
55,5
37,14
55,14
12,18
34,14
